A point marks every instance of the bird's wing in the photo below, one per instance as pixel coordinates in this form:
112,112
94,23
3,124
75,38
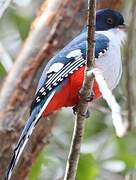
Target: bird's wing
72,57
102,45
56,71
56,76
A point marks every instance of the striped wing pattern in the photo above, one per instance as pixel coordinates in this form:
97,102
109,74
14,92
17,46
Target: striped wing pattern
57,78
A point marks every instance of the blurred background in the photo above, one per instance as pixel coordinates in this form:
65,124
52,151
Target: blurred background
103,155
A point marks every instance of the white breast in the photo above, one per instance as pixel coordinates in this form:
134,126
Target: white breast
110,63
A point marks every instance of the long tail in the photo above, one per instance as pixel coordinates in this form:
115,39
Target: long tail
27,131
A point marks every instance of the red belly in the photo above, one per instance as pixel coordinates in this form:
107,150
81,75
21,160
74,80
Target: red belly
68,95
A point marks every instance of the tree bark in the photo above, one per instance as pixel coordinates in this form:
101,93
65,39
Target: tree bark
128,65
47,34
113,4
78,132
19,86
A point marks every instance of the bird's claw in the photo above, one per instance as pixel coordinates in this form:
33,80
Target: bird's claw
88,98
75,110
87,115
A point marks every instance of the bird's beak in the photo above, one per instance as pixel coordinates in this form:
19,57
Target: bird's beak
123,27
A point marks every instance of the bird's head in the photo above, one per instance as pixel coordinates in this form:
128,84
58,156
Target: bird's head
108,19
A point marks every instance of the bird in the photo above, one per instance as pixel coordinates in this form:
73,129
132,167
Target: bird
63,76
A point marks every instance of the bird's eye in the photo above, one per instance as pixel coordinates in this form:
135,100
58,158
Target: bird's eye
110,21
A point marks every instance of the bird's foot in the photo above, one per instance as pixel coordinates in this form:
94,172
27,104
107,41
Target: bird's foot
87,115
88,98
75,110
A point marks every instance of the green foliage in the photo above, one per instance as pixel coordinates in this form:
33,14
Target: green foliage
99,147
127,151
35,170
23,23
100,143
2,71
87,168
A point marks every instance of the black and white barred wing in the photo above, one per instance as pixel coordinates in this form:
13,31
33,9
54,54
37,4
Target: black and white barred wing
57,73
41,101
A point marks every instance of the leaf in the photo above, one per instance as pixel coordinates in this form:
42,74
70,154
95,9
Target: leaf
87,168
2,71
36,168
23,23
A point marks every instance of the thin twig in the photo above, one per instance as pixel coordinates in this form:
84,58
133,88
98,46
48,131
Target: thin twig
20,82
74,154
128,70
37,37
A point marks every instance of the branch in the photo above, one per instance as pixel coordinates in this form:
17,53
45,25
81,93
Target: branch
121,126
38,35
128,66
72,163
19,86
113,4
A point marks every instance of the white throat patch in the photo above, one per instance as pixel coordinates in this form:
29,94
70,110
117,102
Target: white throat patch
110,63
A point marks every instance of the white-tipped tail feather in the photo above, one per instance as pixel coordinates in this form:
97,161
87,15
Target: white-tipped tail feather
27,131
